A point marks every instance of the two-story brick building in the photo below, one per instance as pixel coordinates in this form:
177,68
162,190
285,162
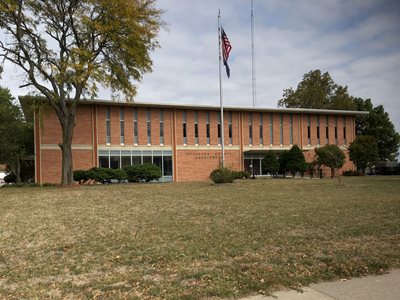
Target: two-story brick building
184,140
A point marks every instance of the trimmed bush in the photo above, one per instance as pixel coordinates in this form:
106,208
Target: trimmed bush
82,176
118,174
139,173
10,178
240,175
353,173
100,174
222,175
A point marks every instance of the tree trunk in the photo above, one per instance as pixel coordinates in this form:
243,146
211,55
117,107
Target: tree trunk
67,126
18,171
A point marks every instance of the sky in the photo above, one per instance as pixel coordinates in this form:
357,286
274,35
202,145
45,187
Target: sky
356,41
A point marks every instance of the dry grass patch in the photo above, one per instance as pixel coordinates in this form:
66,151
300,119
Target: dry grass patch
195,240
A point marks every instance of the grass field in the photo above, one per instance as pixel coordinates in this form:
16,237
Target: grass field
195,240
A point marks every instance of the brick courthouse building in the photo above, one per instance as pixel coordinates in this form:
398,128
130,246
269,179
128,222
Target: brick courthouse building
184,140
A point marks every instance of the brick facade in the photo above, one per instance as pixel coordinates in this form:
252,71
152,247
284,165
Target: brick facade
190,161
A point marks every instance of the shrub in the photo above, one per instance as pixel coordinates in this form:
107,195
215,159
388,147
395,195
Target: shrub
82,176
10,178
99,174
117,174
353,173
139,173
222,175
240,175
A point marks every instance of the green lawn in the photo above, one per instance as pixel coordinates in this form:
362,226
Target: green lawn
195,240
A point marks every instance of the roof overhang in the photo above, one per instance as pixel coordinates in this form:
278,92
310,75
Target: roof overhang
26,103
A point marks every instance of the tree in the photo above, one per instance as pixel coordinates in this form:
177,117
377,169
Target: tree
67,48
364,152
319,91
330,156
270,164
283,160
297,162
16,136
377,124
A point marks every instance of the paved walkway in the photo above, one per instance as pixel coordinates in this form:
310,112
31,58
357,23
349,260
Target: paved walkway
381,287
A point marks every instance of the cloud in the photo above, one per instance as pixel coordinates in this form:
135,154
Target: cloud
356,41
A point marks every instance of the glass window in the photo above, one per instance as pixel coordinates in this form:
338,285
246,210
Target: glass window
125,161
250,128
281,131
121,125
196,128
344,130
271,129
219,127
230,127
327,130
157,160
184,127
136,160
147,160
336,135
208,127
104,162
291,129
135,127
261,129
108,125
148,122
308,130
114,162
318,138
167,163
161,127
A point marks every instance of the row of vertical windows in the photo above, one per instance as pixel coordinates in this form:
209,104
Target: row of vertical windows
219,127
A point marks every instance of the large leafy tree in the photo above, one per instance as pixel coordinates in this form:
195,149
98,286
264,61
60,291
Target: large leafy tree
330,156
67,48
16,136
317,90
364,152
377,125
297,162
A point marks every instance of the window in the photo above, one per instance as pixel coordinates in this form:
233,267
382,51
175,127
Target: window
184,127
271,129
344,130
327,130
208,127
318,138
161,127
281,131
230,127
219,127
308,130
108,129
126,158
196,128
135,127
336,135
250,128
115,159
148,121
261,129
291,129
121,125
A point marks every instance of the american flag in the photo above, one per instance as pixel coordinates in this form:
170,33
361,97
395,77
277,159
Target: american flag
226,49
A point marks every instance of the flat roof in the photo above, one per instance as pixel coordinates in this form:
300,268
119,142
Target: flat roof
25,99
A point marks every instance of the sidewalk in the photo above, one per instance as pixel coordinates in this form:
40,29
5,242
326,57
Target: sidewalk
381,287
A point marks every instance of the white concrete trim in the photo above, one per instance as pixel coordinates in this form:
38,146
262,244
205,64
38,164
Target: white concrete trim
74,147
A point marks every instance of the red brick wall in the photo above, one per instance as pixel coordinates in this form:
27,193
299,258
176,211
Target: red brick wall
196,165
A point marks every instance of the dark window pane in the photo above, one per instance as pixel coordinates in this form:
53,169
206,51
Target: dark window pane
247,163
126,161
230,131
196,130
317,132
157,160
344,132
261,131
256,166
335,132
114,162
103,162
250,131
184,129
167,165
136,160
208,130
147,160
219,130
327,132
161,130
309,132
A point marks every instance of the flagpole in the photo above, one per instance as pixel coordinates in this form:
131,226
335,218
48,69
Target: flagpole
220,91
253,67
